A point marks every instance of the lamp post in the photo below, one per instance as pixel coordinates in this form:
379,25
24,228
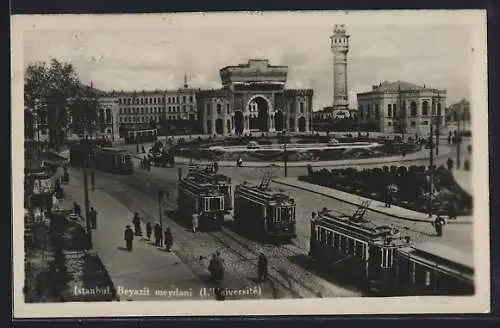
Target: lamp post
438,124
86,193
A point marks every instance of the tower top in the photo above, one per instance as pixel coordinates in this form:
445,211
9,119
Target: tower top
339,29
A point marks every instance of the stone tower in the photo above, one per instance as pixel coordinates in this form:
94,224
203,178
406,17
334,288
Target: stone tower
340,48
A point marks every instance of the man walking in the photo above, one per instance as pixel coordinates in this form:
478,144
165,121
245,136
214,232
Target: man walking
136,221
149,229
195,221
129,237
262,267
93,218
169,240
157,233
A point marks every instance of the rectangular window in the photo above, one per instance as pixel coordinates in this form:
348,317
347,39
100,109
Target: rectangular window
329,238
336,241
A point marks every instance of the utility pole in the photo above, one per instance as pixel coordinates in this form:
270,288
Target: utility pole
86,193
285,157
431,167
438,122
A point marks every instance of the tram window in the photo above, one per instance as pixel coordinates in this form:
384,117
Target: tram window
215,203
277,214
390,257
336,241
329,238
351,244
359,249
322,235
342,245
206,204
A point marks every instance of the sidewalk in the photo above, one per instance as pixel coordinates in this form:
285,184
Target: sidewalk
376,206
147,269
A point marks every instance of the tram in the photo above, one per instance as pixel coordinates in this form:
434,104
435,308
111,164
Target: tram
145,135
196,196
107,159
264,212
357,247
222,182
432,269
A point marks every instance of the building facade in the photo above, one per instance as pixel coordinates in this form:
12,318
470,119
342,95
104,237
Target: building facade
340,48
401,107
458,116
253,98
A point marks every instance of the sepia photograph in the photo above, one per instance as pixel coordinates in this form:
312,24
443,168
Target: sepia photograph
253,163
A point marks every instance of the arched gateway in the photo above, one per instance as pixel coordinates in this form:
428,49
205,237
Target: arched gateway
253,98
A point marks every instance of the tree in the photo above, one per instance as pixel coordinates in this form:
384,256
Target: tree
48,89
85,110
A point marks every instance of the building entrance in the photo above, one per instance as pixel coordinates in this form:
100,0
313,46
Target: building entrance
259,114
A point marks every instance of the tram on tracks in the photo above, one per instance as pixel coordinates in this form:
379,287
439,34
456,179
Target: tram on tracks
263,212
356,246
140,135
222,182
432,268
106,159
196,196
386,262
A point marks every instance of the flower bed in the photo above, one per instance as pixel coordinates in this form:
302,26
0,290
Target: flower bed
412,183
200,151
59,266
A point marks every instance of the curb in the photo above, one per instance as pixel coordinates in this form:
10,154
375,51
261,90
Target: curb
386,160
369,209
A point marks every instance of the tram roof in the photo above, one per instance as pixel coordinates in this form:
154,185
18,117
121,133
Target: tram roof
438,251
268,193
362,226
209,175
114,150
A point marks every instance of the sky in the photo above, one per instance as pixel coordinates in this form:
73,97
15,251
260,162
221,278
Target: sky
128,58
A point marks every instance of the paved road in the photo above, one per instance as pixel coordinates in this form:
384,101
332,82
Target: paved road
290,269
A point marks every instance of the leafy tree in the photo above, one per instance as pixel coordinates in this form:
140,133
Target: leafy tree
85,109
48,90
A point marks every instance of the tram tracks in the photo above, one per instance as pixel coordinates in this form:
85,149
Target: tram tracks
284,276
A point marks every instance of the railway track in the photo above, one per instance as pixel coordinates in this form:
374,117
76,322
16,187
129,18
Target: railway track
285,277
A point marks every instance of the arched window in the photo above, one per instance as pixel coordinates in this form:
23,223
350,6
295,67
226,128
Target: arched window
389,110
439,109
301,107
108,115
377,111
219,107
413,108
425,108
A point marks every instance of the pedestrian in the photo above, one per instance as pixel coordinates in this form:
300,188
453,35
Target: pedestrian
169,240
212,268
262,267
157,233
149,229
93,218
129,237
219,267
136,221
439,222
452,211
388,196
77,209
195,221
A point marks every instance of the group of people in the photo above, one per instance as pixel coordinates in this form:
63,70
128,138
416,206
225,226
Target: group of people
92,215
161,239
